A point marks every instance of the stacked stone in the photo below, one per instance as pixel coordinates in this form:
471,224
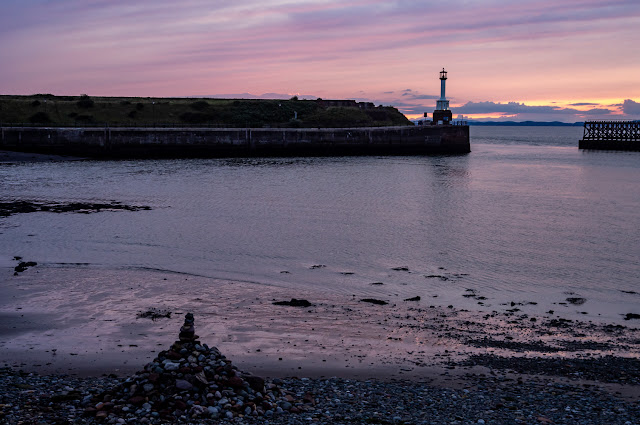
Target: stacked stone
192,380
188,330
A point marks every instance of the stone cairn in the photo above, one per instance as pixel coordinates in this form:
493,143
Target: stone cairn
192,380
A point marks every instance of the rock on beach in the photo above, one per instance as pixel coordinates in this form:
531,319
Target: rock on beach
192,383
193,380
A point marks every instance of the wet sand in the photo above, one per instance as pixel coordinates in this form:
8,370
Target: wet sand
84,321
89,317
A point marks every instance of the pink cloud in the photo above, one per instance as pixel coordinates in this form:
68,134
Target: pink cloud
157,47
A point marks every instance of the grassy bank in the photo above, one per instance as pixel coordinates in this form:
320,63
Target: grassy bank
46,109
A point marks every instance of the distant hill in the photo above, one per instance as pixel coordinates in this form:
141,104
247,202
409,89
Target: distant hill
527,123
47,109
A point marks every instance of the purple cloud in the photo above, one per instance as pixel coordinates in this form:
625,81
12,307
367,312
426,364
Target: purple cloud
511,108
282,96
503,108
158,47
421,96
630,107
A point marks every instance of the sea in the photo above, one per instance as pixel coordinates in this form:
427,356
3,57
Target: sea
526,217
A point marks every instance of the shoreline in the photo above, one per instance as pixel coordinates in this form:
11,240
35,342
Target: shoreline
376,360
84,321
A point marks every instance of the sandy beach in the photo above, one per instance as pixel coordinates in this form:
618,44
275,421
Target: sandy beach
70,336
85,321
90,318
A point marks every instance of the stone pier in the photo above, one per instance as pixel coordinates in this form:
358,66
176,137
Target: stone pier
157,142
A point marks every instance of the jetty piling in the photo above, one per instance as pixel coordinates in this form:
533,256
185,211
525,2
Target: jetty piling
611,135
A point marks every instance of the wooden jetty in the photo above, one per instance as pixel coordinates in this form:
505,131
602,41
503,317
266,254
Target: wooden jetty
611,135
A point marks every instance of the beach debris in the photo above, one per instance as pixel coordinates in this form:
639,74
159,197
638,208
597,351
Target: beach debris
576,300
437,276
560,323
294,303
471,293
154,314
193,380
374,301
377,283
446,276
22,207
416,298
630,316
401,269
318,266
24,265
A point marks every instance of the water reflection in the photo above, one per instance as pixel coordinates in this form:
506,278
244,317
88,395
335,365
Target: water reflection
518,218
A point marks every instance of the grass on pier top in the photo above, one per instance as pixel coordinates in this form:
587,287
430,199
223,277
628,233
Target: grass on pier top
46,109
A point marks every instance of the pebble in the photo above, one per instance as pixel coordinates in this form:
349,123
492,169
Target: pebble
170,366
181,384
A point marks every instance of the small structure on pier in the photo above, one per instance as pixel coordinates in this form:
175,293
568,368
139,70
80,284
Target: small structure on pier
611,135
442,114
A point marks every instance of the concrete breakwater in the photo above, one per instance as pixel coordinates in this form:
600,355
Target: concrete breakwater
155,142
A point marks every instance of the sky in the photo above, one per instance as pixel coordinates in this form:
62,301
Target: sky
541,60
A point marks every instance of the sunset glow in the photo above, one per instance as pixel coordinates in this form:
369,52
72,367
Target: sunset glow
528,60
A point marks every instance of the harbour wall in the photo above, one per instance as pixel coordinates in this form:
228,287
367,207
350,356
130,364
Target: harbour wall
139,142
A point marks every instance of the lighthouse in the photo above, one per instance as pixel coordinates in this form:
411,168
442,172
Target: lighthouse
442,115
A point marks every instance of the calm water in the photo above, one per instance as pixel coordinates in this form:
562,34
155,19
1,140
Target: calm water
525,217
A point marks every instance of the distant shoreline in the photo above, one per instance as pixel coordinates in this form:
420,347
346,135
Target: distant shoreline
79,111
525,123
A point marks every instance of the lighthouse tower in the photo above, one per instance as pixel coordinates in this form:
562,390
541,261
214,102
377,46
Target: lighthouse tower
442,115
